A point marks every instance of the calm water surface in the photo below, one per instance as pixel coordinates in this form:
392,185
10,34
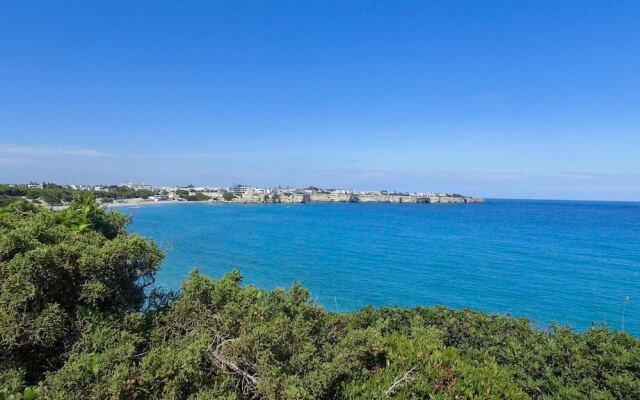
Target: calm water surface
572,262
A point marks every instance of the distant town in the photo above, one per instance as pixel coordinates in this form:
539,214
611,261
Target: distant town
50,194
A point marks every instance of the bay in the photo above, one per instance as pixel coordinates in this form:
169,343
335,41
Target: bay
573,262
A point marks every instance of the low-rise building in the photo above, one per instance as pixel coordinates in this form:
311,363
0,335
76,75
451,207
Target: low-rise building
241,190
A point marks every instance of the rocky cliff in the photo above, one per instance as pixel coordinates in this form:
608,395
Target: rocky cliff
298,198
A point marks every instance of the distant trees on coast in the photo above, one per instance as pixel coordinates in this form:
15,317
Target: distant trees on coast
80,319
192,196
56,195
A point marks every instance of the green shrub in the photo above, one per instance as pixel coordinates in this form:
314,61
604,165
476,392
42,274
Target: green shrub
198,197
52,265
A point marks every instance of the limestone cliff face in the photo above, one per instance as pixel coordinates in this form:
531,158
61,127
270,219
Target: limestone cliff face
375,198
329,198
299,198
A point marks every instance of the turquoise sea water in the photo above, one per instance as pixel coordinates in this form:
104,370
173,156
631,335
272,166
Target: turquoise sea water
571,262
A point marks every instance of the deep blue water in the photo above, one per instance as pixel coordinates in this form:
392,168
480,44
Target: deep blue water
570,262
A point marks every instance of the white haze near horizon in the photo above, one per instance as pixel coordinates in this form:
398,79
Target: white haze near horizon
72,165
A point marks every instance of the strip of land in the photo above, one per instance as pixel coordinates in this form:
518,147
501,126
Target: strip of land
52,195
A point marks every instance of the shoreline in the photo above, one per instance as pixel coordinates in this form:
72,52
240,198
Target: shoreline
143,202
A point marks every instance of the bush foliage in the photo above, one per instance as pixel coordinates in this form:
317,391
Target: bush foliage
79,321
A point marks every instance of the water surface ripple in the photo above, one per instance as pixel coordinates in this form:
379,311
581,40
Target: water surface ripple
570,262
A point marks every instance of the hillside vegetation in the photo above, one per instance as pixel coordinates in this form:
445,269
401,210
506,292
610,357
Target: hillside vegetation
78,320
55,195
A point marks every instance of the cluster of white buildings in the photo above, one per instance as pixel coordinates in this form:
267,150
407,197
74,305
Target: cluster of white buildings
246,191
95,188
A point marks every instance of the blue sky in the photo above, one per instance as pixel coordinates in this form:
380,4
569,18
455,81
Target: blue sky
499,99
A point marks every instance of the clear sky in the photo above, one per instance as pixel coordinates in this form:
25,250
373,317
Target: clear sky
498,99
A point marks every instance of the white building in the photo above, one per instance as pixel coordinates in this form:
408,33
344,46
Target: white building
139,186
240,190
341,191
260,191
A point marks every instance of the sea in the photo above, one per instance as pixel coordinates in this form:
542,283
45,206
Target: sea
575,263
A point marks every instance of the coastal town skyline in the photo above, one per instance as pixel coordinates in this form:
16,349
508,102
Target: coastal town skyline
61,196
236,188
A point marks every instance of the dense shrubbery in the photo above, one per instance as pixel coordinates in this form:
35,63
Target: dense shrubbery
54,266
197,196
75,323
192,196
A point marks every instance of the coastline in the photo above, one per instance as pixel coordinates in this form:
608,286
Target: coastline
145,202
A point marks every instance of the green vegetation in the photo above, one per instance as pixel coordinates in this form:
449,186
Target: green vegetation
56,195
79,320
51,193
124,192
192,196
197,196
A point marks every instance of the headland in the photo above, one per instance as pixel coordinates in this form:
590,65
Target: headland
53,195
